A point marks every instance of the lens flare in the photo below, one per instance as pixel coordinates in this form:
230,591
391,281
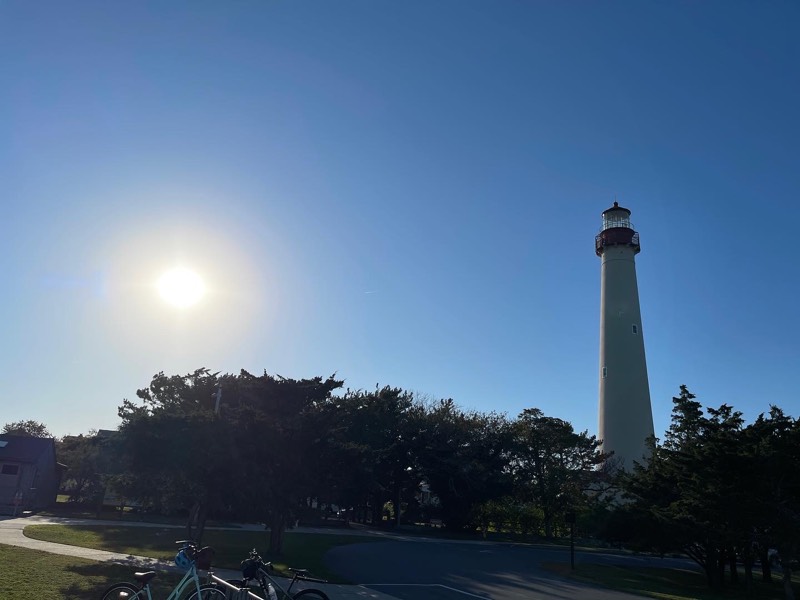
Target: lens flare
181,287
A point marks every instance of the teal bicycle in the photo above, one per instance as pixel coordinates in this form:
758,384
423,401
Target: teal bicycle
189,557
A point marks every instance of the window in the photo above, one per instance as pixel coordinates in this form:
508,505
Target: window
10,470
605,372
635,329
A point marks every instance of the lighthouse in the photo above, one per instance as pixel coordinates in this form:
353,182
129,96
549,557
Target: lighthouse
625,419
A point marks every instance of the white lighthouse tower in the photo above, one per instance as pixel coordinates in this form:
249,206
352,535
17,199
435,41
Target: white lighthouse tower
625,416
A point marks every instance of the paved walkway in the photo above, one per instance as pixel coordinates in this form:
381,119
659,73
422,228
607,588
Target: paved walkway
11,535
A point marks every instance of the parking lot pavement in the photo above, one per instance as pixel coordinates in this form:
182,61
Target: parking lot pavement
430,591
451,571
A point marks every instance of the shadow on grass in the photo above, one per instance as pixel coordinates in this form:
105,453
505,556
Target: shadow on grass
301,550
91,580
31,574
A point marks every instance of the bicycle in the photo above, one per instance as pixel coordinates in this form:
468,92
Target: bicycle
255,569
189,557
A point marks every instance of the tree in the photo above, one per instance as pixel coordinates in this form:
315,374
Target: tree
30,428
774,488
82,479
672,493
255,457
701,490
280,441
372,452
177,454
463,459
553,466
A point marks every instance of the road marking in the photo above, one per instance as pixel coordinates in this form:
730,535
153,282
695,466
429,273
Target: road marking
462,592
447,587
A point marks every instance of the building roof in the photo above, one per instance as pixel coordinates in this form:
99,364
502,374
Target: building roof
616,208
24,448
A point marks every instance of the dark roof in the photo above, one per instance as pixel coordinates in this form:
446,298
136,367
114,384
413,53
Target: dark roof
24,448
615,208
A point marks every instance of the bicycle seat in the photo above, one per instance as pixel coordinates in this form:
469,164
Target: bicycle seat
144,577
299,571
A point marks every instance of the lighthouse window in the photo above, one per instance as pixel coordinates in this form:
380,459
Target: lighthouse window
635,329
10,469
605,372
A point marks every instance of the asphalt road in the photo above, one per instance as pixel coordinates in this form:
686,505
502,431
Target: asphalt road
435,570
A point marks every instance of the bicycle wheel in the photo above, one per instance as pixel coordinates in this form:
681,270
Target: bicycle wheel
122,591
310,594
208,592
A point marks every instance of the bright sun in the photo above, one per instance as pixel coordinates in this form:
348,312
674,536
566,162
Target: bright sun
181,287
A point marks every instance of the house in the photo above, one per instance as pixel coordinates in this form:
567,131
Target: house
29,473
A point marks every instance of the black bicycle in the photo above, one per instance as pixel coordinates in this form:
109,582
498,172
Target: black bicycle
255,570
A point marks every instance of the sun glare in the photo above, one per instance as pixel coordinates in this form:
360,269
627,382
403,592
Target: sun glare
181,287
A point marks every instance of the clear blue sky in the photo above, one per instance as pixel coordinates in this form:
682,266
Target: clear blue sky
403,193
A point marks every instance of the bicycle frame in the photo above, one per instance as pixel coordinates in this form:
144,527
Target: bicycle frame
238,593
271,589
266,581
183,585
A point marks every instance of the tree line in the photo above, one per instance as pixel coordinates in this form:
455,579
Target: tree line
275,450
723,492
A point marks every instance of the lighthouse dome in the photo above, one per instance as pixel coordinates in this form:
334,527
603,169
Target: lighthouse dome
616,216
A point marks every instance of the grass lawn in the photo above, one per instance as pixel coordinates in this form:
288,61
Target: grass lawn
302,550
668,584
31,575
